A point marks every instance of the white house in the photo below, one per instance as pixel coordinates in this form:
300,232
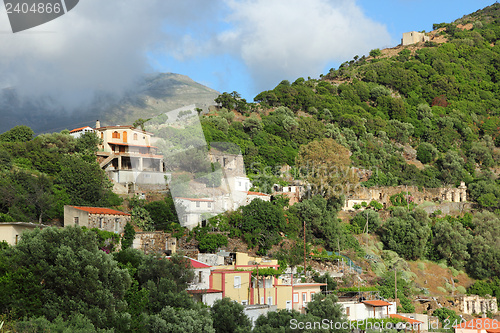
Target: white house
195,210
78,132
199,288
355,310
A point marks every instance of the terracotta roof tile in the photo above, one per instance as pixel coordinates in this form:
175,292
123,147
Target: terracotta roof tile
409,320
377,303
101,210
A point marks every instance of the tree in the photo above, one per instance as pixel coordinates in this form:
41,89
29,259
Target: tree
447,317
323,306
58,272
484,250
406,233
426,152
451,242
228,316
262,221
170,319
85,182
141,218
367,215
326,166
128,237
20,133
375,53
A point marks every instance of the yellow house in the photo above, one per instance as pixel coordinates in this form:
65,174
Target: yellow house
11,232
237,282
303,293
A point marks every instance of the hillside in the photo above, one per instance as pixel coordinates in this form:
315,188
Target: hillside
424,116
152,95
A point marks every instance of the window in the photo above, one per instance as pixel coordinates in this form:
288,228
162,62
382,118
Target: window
262,300
75,220
347,311
115,135
296,297
117,225
312,296
269,282
237,281
270,300
209,204
100,222
200,276
197,204
17,238
135,136
304,297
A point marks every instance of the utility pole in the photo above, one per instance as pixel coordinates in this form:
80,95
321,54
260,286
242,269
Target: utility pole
395,286
258,287
304,248
407,198
366,211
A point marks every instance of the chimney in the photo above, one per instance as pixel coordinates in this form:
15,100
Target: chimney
97,124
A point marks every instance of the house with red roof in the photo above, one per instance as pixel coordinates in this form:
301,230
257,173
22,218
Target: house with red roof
96,217
77,132
200,288
478,325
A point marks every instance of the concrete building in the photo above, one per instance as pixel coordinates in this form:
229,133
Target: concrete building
303,293
200,287
413,37
96,217
11,232
127,156
475,304
356,310
195,210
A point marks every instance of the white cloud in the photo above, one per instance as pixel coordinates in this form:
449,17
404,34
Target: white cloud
287,39
98,45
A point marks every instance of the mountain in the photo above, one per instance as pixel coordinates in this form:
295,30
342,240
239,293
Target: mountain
151,95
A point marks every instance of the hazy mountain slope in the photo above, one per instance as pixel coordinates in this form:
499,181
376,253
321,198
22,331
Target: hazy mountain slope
154,94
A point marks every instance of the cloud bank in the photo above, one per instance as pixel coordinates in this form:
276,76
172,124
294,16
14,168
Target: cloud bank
106,45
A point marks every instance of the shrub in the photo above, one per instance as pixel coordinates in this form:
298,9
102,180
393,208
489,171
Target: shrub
375,53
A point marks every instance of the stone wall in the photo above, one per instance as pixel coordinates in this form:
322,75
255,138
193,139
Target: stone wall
155,242
382,194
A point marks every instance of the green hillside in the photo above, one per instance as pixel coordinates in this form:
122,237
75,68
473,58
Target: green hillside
440,99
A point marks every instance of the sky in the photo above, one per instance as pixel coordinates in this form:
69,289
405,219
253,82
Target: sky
246,46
